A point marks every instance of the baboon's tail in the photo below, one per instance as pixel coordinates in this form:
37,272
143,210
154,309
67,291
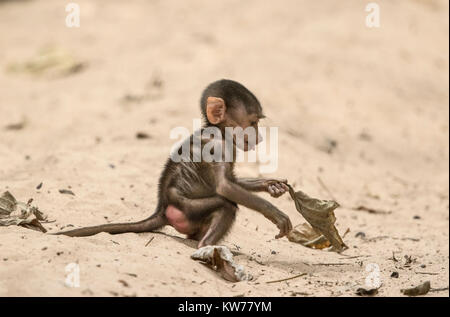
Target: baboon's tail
156,221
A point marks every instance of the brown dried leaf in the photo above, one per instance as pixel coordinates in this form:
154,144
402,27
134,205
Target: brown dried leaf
13,212
49,61
33,224
320,215
308,236
7,203
220,259
223,267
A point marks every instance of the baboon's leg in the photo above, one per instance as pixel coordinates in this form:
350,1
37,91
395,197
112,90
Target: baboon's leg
221,222
195,209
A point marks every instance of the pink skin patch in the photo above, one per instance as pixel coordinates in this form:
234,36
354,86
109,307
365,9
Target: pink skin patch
178,220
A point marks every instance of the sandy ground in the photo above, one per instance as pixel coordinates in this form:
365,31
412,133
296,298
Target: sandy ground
379,94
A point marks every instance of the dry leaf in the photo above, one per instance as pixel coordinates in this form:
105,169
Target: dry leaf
13,212
308,236
220,259
225,269
320,215
50,61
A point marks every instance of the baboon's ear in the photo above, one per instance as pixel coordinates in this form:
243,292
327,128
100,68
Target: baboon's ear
215,110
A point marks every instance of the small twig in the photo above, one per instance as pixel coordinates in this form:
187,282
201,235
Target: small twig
439,289
151,239
400,180
372,210
286,279
300,293
354,257
318,240
257,261
378,238
428,273
345,233
48,221
393,238
412,239
325,187
66,192
393,257
330,264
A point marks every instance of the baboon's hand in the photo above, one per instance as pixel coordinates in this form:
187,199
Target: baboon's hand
276,187
283,223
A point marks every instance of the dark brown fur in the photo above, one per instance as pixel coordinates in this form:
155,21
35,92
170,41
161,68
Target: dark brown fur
206,192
